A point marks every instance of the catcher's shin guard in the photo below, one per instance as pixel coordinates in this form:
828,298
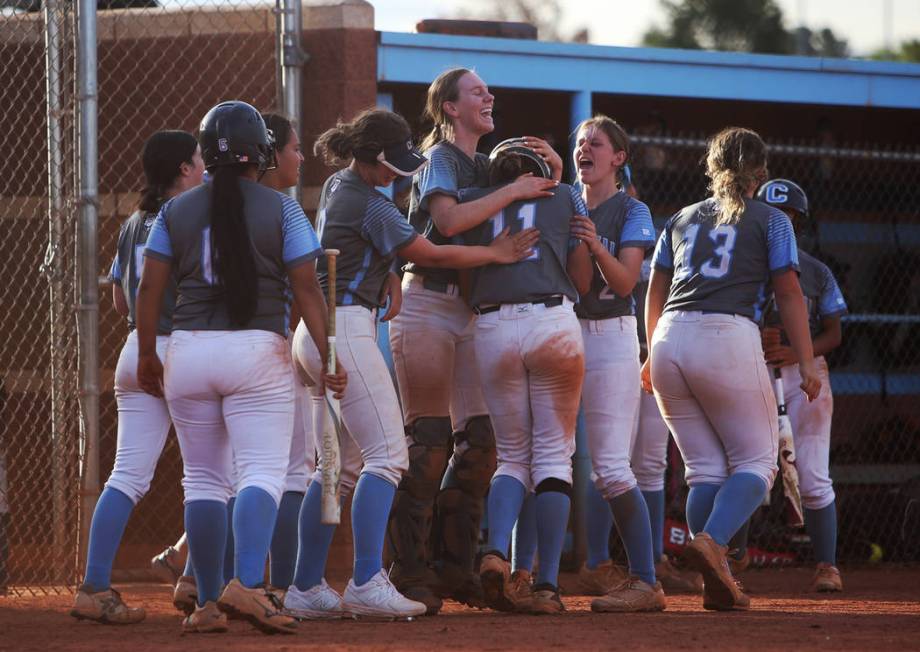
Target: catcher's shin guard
410,518
459,507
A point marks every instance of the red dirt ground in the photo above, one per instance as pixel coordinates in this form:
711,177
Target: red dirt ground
880,610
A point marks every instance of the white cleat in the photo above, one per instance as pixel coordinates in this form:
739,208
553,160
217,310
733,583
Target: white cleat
378,598
320,602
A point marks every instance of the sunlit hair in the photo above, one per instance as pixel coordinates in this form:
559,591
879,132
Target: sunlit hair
736,161
445,88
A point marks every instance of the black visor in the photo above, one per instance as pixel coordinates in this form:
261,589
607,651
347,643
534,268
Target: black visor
403,158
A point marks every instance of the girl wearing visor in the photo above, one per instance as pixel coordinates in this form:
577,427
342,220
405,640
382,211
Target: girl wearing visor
369,231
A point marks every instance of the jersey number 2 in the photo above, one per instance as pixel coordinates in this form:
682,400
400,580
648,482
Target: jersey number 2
717,266
527,215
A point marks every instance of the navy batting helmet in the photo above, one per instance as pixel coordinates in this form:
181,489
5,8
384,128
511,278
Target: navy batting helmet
516,147
783,193
234,132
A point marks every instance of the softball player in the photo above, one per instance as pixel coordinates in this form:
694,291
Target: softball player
232,246
172,164
434,357
370,232
811,421
618,233
712,266
531,365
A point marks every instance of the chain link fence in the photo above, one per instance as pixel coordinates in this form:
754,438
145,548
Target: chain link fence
865,225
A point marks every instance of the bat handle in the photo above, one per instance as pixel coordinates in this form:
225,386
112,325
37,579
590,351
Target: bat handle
331,276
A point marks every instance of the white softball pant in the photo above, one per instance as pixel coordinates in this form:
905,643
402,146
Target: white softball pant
370,408
231,396
650,446
610,399
143,424
715,394
434,355
302,456
531,365
811,429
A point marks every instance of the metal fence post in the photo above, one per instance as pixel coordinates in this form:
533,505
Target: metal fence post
291,62
88,315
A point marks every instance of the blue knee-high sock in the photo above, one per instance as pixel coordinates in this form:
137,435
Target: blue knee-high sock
822,528
506,495
109,519
229,548
552,521
524,543
741,494
654,500
314,541
699,505
206,531
598,524
370,511
737,545
189,570
253,524
630,514
283,553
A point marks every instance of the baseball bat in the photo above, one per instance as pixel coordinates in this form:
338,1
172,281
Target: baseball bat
331,458
795,517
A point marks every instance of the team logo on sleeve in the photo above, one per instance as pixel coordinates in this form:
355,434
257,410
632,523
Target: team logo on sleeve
777,193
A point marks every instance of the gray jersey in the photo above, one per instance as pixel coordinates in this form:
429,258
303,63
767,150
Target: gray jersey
621,222
822,294
725,268
367,228
282,239
541,275
129,263
449,170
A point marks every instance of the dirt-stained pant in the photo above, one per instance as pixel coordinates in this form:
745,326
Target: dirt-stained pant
811,430
445,415
715,394
532,364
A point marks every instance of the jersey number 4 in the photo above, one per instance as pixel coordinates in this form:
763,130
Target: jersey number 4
717,266
527,215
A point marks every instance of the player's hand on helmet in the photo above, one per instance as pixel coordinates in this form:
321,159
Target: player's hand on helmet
645,376
779,356
150,374
511,249
811,381
547,153
336,382
392,290
527,186
583,228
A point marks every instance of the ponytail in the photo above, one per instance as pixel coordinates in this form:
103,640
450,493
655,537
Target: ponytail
232,257
152,197
445,88
163,156
336,145
735,161
362,138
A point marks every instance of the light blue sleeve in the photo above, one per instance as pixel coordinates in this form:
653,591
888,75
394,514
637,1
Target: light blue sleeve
386,228
158,243
663,258
438,177
831,302
115,271
782,250
300,244
638,229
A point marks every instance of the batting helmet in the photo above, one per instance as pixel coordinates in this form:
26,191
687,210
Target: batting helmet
234,132
515,146
783,193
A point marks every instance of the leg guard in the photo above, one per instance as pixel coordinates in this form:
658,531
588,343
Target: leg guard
460,506
410,519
